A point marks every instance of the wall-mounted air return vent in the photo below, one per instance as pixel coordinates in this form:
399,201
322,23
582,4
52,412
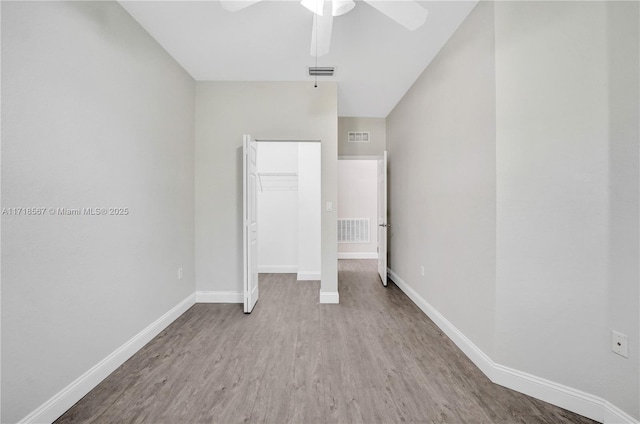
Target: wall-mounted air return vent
358,136
326,71
353,230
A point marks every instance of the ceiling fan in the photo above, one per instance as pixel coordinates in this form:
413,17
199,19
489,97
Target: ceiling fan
407,13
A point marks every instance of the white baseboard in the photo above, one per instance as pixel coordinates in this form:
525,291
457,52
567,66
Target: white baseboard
329,297
219,297
474,353
278,269
614,415
67,397
574,400
357,255
554,393
308,276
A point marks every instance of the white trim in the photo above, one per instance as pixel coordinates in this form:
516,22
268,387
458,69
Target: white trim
329,297
278,269
582,403
357,255
615,415
474,353
219,297
308,276
554,393
67,397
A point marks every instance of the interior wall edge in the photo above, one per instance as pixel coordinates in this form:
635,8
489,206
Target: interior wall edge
557,394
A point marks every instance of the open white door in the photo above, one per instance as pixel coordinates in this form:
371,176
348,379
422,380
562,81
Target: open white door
382,218
250,221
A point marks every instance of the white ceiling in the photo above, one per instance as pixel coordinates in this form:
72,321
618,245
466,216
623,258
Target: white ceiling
376,59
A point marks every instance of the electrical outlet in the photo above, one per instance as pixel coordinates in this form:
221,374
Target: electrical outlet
180,273
620,344
422,270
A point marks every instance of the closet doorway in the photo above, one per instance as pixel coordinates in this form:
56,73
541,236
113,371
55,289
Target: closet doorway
289,208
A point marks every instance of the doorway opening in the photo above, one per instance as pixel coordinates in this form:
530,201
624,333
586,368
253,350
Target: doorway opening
362,211
282,213
289,206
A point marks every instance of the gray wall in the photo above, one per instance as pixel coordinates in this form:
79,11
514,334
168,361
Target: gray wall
442,189
224,112
94,114
514,180
567,200
378,132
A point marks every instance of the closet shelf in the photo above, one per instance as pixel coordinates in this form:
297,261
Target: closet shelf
278,181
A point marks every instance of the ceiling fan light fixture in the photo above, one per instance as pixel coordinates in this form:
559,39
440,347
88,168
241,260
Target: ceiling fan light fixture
316,6
340,7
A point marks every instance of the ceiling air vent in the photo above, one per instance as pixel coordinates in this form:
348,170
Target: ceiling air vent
326,71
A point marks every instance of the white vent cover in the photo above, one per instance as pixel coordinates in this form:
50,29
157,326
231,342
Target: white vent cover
358,136
326,71
353,230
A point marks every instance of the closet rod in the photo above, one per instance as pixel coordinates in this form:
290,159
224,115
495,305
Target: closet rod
286,141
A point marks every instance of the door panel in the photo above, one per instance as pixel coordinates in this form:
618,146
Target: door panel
382,218
250,221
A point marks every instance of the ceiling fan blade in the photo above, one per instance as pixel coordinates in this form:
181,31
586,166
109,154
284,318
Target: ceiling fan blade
407,13
316,6
340,7
322,26
235,5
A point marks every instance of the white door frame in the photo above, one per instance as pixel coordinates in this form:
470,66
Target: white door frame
249,216
382,224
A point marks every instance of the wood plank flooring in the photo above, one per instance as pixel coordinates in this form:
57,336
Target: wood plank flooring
374,358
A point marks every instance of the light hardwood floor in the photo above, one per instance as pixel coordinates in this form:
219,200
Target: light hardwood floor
374,358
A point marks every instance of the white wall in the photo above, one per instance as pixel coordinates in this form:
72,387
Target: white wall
309,211
289,209
268,110
358,198
94,114
441,149
514,179
278,208
567,200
